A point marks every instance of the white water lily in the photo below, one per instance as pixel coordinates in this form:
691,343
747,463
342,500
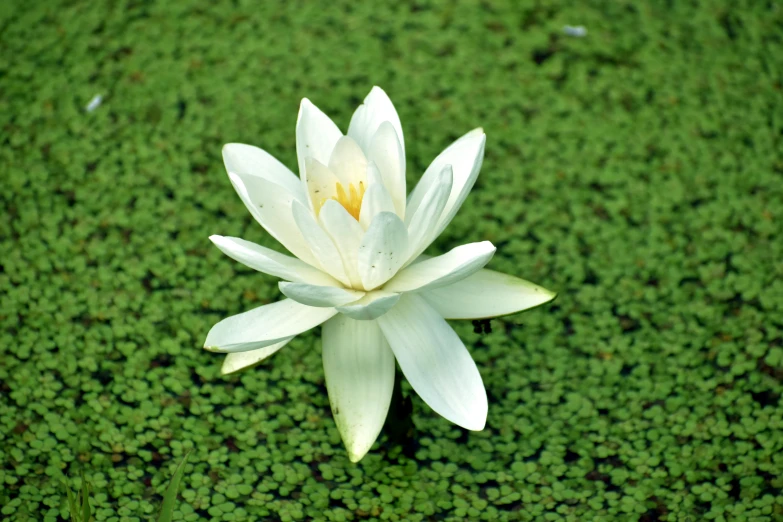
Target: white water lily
359,269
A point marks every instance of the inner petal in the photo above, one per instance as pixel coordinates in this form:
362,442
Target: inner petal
348,181
321,183
348,162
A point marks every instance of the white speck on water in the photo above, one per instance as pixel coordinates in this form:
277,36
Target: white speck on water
578,31
94,103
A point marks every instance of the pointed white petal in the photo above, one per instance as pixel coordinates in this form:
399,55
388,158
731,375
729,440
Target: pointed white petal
347,234
321,184
470,155
320,244
465,157
312,295
371,306
359,371
443,270
241,360
383,250
270,205
375,201
264,326
376,109
435,362
246,160
387,152
486,294
424,218
316,134
270,262
458,149
348,162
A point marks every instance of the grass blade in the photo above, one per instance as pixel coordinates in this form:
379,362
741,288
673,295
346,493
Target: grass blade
85,500
170,498
72,503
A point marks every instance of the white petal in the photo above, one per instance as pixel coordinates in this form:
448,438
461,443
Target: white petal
443,270
359,370
246,160
347,234
375,201
465,157
376,109
348,162
240,360
387,152
312,295
321,183
320,244
435,362
270,205
316,135
373,174
424,218
371,306
270,262
486,294
264,326
383,250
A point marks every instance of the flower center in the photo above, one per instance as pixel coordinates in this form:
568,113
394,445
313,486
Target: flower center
351,200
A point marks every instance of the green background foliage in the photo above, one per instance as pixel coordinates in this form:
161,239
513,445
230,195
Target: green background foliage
636,171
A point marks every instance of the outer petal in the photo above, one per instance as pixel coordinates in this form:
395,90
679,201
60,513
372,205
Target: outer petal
270,205
486,294
241,360
322,296
425,217
316,136
377,108
371,306
264,326
320,244
246,161
435,362
347,234
383,250
443,270
359,370
270,262
465,156
387,152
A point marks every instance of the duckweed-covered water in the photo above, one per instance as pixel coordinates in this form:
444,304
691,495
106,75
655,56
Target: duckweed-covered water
637,170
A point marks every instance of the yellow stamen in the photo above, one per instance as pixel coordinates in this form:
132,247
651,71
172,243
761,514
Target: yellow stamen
351,201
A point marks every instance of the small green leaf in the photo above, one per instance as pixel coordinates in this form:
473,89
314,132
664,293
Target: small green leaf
170,498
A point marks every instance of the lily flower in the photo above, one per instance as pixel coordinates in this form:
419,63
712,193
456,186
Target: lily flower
359,268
